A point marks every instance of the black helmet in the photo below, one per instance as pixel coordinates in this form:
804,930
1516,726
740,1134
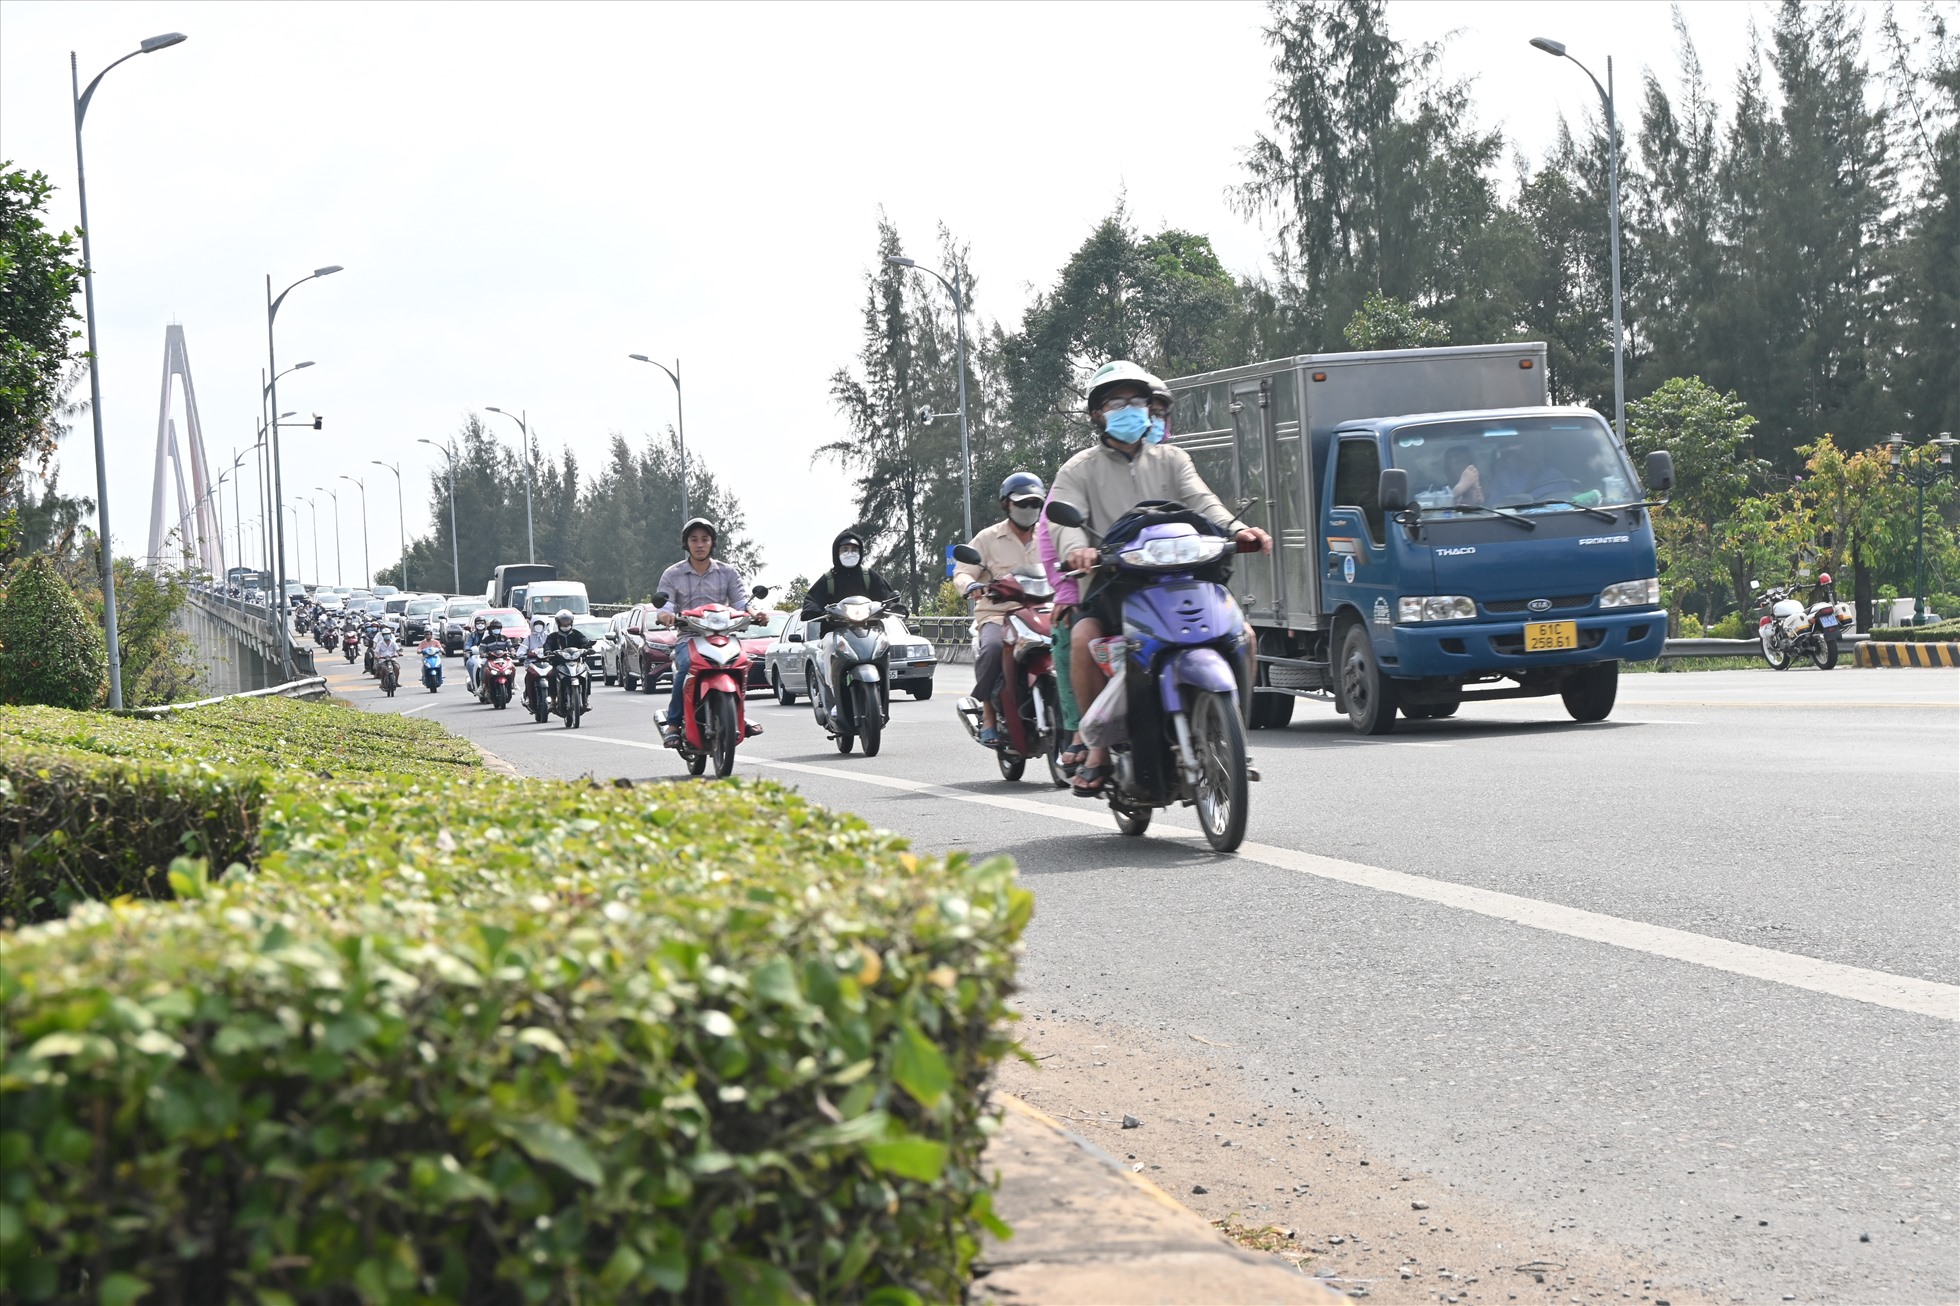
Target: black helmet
704,524
1022,484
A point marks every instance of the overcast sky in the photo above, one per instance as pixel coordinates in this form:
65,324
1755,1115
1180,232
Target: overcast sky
522,195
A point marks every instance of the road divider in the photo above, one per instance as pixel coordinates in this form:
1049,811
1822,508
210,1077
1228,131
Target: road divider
1903,654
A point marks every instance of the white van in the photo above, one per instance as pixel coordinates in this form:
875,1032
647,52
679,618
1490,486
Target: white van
545,598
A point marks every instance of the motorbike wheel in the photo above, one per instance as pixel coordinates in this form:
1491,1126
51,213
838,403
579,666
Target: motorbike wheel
541,706
1132,821
697,763
1051,702
499,697
1824,653
784,695
1012,765
1219,739
1777,657
721,713
870,725
1368,694
574,707
815,686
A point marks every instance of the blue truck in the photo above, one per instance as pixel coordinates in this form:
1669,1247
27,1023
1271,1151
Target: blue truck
1443,534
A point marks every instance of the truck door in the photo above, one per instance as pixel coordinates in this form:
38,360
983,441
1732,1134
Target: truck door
1357,572
1255,576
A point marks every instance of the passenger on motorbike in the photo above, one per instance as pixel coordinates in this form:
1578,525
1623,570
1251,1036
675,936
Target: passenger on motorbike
1004,547
1129,463
699,578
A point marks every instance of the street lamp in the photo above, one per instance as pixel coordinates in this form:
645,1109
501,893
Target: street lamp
680,418
367,559
1920,476
336,532
455,558
107,559
314,504
524,425
1557,50
959,313
401,522
278,482
237,510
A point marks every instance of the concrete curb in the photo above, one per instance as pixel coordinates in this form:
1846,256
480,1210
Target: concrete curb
1906,653
491,762
1087,1230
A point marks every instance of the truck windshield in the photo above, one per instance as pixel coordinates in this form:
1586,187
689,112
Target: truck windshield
1525,464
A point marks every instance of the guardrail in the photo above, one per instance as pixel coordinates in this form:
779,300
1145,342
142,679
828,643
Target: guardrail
305,687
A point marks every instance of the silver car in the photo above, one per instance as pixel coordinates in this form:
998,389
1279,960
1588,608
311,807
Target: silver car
788,659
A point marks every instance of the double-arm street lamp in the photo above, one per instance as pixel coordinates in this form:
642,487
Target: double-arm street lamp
278,485
1920,475
1557,50
959,315
367,558
680,418
108,561
336,531
314,504
401,521
455,558
523,424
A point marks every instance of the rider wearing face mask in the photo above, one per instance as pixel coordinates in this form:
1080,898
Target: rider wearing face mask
1004,548
848,577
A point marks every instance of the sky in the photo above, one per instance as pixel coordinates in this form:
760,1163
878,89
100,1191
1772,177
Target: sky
524,194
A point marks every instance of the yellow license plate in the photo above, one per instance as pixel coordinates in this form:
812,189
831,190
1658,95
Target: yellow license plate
1550,636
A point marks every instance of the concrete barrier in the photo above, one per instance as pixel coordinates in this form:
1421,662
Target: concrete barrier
1907,653
305,687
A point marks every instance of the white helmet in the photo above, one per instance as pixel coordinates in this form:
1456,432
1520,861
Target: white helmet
1119,372
564,619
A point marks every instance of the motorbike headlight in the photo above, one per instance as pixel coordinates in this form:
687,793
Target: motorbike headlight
857,612
1412,608
1175,551
1632,594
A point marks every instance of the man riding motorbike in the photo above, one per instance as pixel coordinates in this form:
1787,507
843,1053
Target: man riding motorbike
1004,547
567,635
698,579
848,577
1128,464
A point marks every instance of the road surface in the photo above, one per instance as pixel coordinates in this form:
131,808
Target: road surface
1682,983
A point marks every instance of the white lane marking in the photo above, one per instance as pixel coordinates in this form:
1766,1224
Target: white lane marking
1833,979
410,711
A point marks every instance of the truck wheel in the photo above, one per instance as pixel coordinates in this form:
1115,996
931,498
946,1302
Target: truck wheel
1370,696
1589,692
1271,711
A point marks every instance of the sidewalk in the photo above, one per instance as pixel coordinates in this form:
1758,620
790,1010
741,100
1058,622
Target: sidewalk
1088,1232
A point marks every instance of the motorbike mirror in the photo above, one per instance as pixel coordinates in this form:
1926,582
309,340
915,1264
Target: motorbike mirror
1660,471
1393,490
636,630
1064,513
1755,584
759,592
966,553
660,598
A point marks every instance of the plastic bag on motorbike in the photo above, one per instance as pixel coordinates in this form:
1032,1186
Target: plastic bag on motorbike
1106,723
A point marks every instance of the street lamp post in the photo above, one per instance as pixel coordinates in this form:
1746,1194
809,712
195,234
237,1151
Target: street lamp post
455,558
401,521
314,504
237,510
959,314
1557,50
278,483
1919,477
367,558
336,532
680,419
524,424
110,635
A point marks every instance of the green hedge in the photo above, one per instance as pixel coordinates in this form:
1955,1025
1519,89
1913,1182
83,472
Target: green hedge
1941,633
472,1039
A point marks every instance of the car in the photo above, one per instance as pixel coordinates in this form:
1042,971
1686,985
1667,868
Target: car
453,621
647,651
786,662
418,615
385,591
614,645
756,641
598,630
509,620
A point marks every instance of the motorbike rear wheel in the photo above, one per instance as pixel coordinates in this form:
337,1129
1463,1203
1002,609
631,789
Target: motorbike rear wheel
1051,706
723,733
1824,653
866,708
814,684
1219,740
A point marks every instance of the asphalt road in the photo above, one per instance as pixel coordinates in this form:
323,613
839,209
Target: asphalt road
1684,980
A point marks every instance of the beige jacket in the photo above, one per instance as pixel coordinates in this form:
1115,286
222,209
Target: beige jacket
1002,553
1106,485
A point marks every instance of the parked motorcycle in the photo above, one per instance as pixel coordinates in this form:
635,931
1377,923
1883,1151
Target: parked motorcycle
571,685
431,668
1174,727
391,674
850,681
1787,628
1028,706
494,680
714,699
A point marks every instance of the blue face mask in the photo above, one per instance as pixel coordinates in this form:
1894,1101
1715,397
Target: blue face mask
1156,435
1126,424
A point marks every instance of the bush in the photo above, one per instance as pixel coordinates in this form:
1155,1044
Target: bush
50,652
1941,633
1730,627
470,1039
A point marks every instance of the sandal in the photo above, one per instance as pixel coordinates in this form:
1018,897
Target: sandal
671,737
1089,781
1073,756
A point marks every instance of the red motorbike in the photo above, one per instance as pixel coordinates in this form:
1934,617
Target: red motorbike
714,702
494,681
1028,706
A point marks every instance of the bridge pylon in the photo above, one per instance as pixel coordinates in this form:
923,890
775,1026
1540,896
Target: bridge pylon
197,540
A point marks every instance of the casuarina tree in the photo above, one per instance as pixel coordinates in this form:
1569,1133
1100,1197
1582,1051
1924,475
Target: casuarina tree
50,652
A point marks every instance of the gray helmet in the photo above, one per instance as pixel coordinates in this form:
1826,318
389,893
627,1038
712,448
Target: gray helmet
564,618
704,524
1022,484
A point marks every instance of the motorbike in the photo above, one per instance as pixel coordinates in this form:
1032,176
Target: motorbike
494,679
537,689
431,668
1175,725
350,643
1788,628
714,700
571,684
850,682
1028,706
391,674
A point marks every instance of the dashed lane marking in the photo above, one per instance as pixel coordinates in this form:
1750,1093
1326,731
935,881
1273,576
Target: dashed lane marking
1853,983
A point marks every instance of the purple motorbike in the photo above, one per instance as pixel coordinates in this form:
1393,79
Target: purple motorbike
1180,738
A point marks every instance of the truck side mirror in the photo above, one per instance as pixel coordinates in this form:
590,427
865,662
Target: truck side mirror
1064,513
1660,471
966,553
1393,493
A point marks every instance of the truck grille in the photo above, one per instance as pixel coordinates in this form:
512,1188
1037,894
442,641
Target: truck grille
1560,602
